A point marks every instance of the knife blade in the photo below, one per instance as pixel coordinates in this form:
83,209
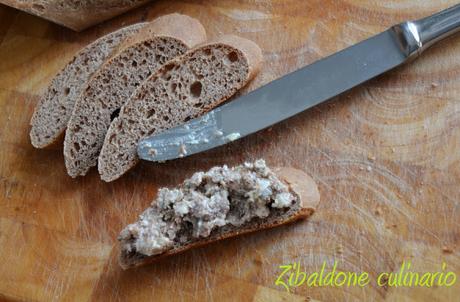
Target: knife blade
301,89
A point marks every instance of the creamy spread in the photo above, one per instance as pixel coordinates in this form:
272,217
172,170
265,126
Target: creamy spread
206,201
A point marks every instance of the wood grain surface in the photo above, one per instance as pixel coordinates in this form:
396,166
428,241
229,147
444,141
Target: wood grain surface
385,156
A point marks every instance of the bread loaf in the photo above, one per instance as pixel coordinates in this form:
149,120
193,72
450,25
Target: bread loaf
215,205
112,85
57,102
75,14
181,90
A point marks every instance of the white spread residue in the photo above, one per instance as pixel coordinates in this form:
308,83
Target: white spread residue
233,136
182,150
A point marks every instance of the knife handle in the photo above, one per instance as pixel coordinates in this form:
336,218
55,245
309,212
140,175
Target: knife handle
416,36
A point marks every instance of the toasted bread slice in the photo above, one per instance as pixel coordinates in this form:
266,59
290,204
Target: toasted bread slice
300,185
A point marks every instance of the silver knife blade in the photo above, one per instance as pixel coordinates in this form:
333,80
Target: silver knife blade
302,89
278,100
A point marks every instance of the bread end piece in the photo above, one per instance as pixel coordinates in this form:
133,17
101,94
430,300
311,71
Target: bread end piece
298,181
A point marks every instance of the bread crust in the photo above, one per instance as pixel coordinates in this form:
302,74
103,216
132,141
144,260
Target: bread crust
301,183
182,27
79,18
298,181
251,50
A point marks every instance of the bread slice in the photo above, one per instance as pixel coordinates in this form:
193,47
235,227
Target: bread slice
56,104
215,205
183,89
75,14
111,86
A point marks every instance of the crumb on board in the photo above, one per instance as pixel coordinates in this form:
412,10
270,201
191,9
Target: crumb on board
394,226
447,250
339,249
152,152
182,150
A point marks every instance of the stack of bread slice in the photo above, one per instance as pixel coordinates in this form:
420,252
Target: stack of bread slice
134,82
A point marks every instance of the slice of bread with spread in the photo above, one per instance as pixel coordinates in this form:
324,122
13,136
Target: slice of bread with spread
211,206
183,89
111,86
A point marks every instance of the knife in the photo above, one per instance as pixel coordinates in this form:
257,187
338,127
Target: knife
302,89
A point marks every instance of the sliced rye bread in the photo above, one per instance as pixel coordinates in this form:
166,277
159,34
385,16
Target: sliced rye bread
55,107
111,86
299,184
185,88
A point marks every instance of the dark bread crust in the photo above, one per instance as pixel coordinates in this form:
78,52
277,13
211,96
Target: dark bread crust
300,184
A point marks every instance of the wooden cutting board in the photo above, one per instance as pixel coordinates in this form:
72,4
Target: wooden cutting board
386,157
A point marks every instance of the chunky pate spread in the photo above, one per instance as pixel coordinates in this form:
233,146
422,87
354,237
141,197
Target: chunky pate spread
204,202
